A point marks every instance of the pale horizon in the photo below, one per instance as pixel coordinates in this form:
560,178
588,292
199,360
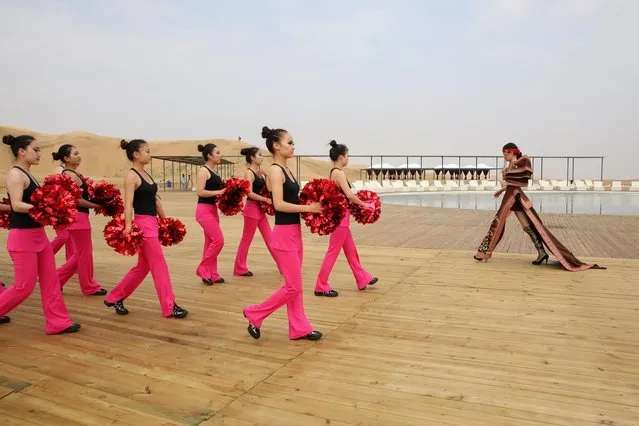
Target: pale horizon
459,78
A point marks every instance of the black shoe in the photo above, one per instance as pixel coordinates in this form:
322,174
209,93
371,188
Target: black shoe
253,331
247,274
100,292
71,329
207,281
5,320
540,259
119,307
373,281
313,335
2,284
219,280
178,312
331,293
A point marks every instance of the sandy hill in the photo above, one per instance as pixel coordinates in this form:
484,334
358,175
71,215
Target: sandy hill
102,157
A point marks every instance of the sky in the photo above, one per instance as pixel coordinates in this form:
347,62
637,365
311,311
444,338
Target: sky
401,77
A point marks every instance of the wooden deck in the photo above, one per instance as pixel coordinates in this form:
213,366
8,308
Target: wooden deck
441,340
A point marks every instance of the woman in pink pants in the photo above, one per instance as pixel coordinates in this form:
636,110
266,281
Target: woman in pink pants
341,238
81,260
209,187
140,197
254,217
286,242
29,246
62,234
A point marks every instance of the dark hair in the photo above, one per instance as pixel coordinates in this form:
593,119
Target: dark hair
206,150
17,143
337,149
132,146
511,145
63,152
271,136
249,152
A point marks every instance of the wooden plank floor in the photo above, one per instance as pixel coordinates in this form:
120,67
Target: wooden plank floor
441,340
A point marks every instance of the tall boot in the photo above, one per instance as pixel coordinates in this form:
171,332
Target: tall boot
541,253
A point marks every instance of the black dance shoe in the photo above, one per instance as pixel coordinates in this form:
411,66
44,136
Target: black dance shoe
207,281
331,293
71,329
373,281
178,312
247,274
5,320
219,280
252,330
313,335
100,292
118,306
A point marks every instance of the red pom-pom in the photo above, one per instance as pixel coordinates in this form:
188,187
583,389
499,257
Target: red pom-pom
108,197
367,215
5,217
334,205
56,202
170,231
232,201
127,244
267,208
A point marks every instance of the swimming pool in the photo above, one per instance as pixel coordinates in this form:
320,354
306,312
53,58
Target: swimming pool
600,203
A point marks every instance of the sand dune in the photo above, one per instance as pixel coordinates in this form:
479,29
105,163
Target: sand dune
103,159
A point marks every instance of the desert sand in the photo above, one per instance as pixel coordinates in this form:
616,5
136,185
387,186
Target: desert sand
102,157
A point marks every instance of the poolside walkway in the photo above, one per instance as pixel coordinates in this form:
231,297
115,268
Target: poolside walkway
458,229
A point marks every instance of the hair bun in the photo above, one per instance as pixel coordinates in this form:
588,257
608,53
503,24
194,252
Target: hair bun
200,148
8,139
245,151
123,144
266,132
333,143
55,156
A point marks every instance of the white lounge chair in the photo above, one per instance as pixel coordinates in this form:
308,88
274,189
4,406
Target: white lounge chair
425,185
373,185
532,186
634,186
616,186
545,185
437,186
411,186
473,185
398,186
598,186
580,185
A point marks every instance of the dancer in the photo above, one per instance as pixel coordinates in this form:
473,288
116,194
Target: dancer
516,175
342,238
29,246
81,260
286,242
209,187
140,197
62,234
254,217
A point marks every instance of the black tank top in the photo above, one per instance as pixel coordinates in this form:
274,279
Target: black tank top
291,191
213,183
85,190
23,220
258,183
329,176
144,197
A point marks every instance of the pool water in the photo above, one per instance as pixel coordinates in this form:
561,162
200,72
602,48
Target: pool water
600,203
